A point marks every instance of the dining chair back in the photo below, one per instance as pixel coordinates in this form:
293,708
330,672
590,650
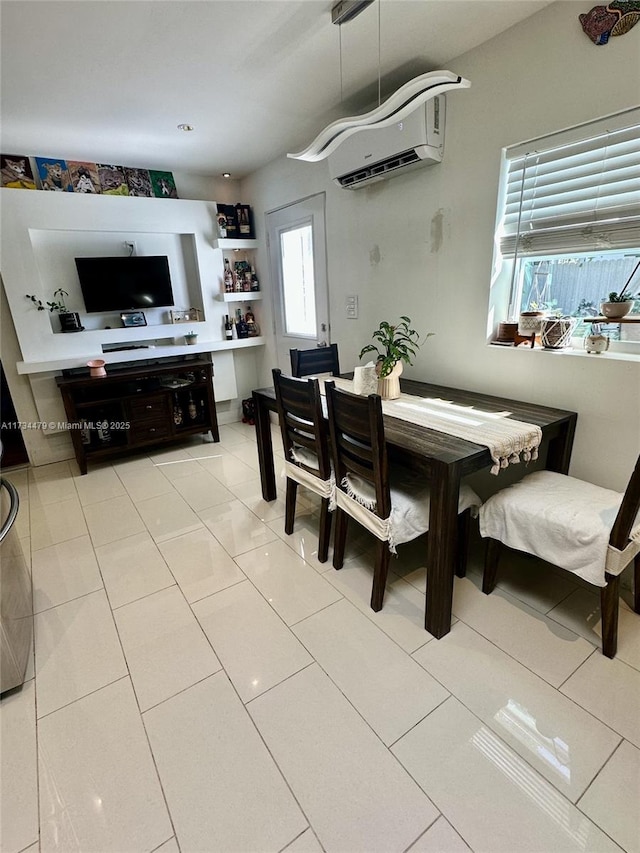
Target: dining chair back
306,449
391,502
307,362
583,528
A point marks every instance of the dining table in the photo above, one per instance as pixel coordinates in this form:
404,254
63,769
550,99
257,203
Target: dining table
445,460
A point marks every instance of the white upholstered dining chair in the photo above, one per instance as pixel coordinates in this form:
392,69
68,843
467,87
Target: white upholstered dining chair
583,528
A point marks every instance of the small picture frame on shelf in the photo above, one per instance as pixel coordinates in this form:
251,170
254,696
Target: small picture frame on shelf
133,318
188,315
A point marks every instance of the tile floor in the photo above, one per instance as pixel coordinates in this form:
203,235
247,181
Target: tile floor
201,682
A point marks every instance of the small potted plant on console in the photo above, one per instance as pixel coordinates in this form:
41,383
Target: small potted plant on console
191,338
69,320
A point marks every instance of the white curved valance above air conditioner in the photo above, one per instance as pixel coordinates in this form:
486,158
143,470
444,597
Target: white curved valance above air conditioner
396,108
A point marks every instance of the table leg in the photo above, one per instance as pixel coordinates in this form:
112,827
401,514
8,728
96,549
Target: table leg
560,447
265,450
441,549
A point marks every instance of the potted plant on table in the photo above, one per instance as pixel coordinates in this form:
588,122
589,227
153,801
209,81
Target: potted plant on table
395,345
69,320
191,338
620,304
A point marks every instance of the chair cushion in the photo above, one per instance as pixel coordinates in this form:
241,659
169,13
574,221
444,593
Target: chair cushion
560,519
305,457
410,505
324,488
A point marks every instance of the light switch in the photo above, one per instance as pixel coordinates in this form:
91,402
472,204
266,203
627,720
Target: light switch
352,307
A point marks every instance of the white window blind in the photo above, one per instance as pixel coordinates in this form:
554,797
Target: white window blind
580,196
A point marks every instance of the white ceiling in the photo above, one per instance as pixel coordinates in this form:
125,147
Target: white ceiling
109,80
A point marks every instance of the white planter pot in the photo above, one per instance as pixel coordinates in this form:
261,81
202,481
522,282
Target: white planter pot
616,310
389,387
530,323
596,343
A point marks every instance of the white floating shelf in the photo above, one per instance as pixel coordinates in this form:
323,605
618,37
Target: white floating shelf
248,296
115,356
230,244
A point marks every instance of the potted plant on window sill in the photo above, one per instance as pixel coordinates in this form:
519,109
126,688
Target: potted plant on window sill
619,304
556,330
396,345
69,320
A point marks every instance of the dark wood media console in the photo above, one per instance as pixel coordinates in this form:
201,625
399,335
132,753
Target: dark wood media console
137,406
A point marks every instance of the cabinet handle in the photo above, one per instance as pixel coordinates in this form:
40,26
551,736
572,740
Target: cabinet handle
148,407
153,429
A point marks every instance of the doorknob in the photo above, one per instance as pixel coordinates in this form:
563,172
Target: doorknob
323,327
321,344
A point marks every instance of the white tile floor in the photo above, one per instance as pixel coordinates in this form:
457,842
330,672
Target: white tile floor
202,683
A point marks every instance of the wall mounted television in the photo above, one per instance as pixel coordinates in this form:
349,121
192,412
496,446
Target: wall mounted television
125,283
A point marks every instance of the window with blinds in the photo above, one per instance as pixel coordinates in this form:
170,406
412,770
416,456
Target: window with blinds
579,196
568,225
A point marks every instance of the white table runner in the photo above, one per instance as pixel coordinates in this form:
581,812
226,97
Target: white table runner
509,441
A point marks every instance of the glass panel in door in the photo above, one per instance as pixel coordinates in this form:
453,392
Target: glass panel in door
298,281
297,256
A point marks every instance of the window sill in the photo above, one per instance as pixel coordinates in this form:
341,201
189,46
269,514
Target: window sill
573,351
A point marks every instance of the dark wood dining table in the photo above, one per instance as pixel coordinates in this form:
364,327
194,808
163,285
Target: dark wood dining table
445,460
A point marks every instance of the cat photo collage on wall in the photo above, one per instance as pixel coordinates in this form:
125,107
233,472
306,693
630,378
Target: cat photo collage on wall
76,176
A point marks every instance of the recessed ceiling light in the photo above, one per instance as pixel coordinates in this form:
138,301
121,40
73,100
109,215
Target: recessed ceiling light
186,127
226,174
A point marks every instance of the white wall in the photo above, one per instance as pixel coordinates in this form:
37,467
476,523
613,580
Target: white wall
421,244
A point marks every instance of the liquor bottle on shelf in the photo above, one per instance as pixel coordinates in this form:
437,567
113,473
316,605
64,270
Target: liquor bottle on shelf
178,417
246,284
234,331
255,284
85,434
241,325
238,279
250,322
228,328
228,277
102,427
191,408
242,217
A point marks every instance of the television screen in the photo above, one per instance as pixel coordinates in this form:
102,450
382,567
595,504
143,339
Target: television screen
125,283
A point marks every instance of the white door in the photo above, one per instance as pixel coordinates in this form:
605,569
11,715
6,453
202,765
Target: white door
298,262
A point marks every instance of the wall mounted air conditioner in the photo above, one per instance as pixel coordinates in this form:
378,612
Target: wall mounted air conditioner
383,152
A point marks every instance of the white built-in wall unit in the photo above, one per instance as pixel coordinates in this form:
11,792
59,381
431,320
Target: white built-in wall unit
43,232
422,244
